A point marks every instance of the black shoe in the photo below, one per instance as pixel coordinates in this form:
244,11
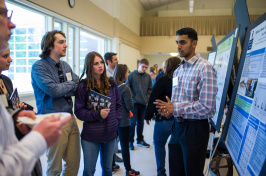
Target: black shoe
143,144
131,146
115,168
132,173
161,174
118,159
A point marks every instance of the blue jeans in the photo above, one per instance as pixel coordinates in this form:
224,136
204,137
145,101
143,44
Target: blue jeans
162,130
91,151
138,117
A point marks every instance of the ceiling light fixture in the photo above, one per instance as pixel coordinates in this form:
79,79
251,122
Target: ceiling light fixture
174,54
191,5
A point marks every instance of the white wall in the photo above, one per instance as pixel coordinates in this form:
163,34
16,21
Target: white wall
129,56
128,12
156,59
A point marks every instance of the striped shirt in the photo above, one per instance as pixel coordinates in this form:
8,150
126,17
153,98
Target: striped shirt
194,95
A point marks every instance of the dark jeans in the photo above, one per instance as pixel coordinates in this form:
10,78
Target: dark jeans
138,117
187,147
123,133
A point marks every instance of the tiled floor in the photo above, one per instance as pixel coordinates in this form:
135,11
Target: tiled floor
142,159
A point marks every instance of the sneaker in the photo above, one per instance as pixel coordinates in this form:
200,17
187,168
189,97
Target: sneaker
143,144
132,173
115,168
118,159
131,146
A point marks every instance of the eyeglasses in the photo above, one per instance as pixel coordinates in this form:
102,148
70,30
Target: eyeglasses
6,13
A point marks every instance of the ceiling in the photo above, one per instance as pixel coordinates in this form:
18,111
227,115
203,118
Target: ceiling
198,4
150,4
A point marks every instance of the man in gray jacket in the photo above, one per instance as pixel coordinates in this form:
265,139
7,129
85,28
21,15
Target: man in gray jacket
141,86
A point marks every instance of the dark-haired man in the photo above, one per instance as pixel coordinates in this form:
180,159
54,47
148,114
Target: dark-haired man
141,86
192,104
111,62
54,83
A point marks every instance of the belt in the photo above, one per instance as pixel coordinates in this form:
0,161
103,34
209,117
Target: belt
181,120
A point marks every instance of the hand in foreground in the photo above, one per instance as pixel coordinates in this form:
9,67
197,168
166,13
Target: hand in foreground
104,113
165,108
23,128
22,105
148,122
50,128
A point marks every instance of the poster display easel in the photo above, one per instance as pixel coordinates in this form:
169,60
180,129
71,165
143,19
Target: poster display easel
223,66
246,135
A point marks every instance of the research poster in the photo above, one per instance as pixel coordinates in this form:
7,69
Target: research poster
211,57
221,66
246,137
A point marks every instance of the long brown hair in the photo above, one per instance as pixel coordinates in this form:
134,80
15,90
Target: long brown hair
91,82
120,73
171,65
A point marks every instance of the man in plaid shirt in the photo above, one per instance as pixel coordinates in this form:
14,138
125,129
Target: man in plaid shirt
192,104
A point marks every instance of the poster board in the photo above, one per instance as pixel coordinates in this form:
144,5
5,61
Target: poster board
211,57
246,135
223,65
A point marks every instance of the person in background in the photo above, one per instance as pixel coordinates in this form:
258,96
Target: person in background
162,127
111,62
152,74
100,123
140,85
54,83
161,73
121,73
156,68
192,104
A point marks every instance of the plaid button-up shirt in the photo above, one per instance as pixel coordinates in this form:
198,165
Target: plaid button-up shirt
194,95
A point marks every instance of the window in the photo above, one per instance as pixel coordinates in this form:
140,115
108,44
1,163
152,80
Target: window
25,43
71,33
24,46
88,43
58,26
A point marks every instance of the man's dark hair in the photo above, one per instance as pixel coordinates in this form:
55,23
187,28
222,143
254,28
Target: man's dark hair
144,61
190,32
48,41
108,56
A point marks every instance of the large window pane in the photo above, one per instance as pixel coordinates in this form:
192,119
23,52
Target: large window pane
71,47
58,26
88,43
24,46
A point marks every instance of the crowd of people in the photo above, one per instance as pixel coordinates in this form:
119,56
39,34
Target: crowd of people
181,99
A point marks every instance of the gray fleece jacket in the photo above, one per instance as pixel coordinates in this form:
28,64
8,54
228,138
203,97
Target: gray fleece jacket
128,105
141,87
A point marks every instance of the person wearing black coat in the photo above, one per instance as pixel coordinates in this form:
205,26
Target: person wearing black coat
162,127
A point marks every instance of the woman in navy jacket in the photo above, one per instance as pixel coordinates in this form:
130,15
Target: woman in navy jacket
100,123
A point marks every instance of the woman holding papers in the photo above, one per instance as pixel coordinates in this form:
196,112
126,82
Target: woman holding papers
101,113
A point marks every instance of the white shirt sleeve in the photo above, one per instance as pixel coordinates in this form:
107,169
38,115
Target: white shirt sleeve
18,157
